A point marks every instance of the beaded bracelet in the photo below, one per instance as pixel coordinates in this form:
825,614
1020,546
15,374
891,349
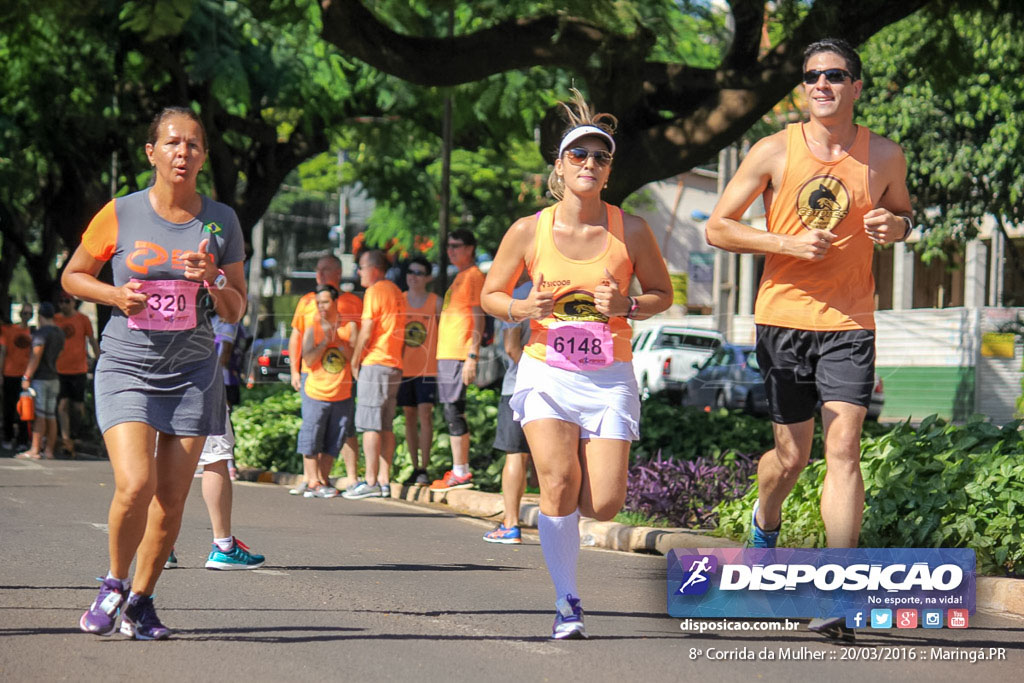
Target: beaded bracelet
634,305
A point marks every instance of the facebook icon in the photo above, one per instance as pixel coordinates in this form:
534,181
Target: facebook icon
855,619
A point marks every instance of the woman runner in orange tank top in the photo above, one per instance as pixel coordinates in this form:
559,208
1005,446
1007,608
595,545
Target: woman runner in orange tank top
575,392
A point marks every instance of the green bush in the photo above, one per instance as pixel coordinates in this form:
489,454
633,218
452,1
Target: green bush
686,433
939,485
485,462
266,431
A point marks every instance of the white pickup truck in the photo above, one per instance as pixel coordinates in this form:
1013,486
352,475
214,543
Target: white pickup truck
664,356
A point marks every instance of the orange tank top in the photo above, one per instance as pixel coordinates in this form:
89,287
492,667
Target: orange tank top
420,356
838,292
573,283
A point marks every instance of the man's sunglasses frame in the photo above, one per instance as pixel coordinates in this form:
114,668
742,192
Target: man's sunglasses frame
834,76
578,156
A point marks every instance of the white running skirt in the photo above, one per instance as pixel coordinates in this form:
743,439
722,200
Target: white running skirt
604,403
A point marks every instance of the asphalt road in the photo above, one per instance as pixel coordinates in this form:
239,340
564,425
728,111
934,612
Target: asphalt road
385,590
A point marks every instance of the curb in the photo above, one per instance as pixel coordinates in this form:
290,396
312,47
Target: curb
1002,596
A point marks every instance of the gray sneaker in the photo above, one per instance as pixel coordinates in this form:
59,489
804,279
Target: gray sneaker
299,490
385,490
324,491
422,479
361,490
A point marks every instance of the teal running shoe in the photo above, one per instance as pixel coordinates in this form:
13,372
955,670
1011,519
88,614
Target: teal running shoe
172,561
759,538
238,557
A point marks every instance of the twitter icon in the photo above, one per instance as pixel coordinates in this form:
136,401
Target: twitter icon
881,618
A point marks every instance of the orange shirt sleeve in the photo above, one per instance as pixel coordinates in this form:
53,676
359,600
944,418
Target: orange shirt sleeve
301,312
474,287
100,238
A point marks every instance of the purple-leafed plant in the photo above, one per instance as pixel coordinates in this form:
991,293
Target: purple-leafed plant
685,492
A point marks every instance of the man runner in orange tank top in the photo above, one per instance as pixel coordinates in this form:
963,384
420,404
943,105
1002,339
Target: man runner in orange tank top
832,191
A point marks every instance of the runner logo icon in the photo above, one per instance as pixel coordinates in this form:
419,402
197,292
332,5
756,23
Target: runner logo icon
696,581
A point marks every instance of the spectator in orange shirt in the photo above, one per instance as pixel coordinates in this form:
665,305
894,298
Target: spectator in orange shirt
460,331
317,470
327,390
418,392
377,365
15,347
73,367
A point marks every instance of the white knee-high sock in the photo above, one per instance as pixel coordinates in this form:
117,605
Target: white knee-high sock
560,542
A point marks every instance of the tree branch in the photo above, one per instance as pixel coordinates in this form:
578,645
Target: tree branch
514,44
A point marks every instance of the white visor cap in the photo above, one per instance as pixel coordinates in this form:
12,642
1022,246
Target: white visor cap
582,131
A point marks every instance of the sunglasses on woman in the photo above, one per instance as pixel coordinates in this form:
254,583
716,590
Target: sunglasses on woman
578,156
831,75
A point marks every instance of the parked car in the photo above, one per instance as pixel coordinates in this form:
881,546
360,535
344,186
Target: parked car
731,378
664,356
269,361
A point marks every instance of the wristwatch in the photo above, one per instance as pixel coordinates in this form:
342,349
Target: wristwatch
471,355
910,226
219,282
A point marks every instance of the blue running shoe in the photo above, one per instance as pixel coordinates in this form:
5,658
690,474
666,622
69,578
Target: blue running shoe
504,534
238,557
101,617
568,620
759,538
172,561
140,621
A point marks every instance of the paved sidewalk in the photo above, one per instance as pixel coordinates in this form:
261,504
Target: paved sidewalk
994,594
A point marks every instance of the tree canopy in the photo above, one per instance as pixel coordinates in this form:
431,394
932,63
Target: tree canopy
674,113
278,82
947,86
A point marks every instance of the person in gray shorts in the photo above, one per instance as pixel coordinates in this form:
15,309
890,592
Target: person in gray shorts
41,376
377,365
176,258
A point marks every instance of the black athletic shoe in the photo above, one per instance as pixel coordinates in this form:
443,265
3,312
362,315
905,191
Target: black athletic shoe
833,628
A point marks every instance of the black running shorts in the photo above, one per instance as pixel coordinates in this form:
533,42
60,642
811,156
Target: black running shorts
801,367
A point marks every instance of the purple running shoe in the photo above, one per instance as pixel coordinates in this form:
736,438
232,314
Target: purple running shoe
140,621
101,617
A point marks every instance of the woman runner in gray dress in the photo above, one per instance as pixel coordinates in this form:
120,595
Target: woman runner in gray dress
177,259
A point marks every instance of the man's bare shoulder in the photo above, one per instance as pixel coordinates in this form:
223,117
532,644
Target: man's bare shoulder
883,150
767,155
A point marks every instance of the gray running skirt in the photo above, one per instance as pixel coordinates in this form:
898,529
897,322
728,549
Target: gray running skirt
181,395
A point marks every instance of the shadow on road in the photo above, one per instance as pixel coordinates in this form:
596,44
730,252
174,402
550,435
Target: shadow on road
402,568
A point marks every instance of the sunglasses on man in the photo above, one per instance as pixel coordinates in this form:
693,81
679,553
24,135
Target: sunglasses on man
831,75
578,156
421,273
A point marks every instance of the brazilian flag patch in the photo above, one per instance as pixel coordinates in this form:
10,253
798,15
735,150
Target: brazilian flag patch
213,228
